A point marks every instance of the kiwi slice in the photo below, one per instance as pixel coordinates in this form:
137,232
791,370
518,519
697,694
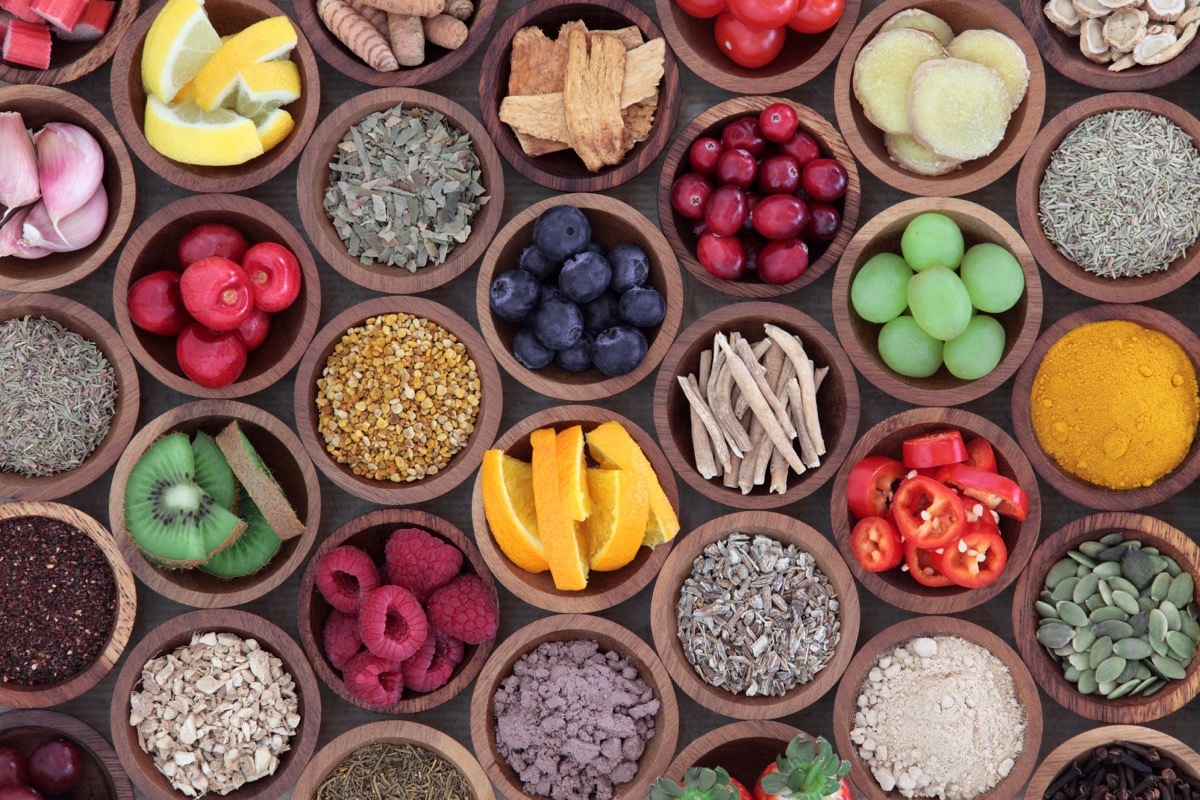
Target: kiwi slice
170,518
258,482
252,551
213,474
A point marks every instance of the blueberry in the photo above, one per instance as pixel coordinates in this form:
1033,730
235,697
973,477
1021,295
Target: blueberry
596,247
558,323
514,295
630,267
529,352
577,357
561,232
537,263
619,350
551,291
601,314
584,277
642,307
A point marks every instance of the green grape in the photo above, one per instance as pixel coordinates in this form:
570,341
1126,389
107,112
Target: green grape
932,240
880,289
939,302
993,278
907,349
977,350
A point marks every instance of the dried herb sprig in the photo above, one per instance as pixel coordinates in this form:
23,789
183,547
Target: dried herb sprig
386,771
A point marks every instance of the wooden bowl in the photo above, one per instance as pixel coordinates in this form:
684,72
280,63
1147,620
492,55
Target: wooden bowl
613,223
1081,491
177,632
604,589
678,568
679,230
126,610
1033,170
845,705
313,178
1048,672
464,462
1080,746
370,533
39,105
564,171
393,731
742,748
280,451
70,61
861,338
129,103
438,62
102,777
837,402
565,628
899,588
152,247
804,56
866,141
87,323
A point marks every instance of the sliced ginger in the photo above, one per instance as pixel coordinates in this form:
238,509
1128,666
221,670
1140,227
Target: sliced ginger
915,157
958,109
883,71
922,20
994,49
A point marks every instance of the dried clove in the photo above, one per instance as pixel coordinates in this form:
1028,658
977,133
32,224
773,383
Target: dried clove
1123,771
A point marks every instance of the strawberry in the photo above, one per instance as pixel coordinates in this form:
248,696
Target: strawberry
699,783
808,770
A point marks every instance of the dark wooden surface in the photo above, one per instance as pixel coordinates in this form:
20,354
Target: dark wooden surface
1183,510
742,748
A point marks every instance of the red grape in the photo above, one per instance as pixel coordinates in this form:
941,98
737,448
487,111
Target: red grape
14,769
55,766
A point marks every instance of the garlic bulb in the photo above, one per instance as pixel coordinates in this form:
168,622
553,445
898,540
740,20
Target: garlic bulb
70,166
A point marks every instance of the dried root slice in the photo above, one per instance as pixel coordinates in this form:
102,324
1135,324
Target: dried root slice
884,70
1165,10
958,109
1063,16
1091,41
912,156
932,24
1091,9
1161,48
994,49
1125,29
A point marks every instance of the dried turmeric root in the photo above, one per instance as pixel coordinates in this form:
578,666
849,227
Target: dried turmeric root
356,33
994,49
408,41
460,9
445,31
377,18
958,109
410,8
883,71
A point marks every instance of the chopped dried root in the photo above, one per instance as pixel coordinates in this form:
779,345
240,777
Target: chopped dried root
994,49
958,109
883,71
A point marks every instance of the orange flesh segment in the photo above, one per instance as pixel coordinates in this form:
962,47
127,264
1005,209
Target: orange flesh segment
619,513
564,551
508,502
572,474
613,448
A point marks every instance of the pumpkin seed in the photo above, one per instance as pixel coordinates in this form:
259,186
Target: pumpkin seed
1137,568
1143,672
1173,568
1120,584
1065,589
1109,669
1139,622
1152,690
1111,539
1171,612
1158,625
1085,588
1129,671
1045,610
1055,634
1168,667
1071,674
1105,687
1107,570
1084,639
1081,558
1122,689
1146,602
1158,589
1064,651
1046,597
1059,572
1143,683
1133,648
1183,588
1160,647
1181,646
1113,628
1150,551
1094,602
1108,613
1105,592
1126,602
1102,649
1071,614
1190,628
1158,562
1087,682
1092,549
1078,660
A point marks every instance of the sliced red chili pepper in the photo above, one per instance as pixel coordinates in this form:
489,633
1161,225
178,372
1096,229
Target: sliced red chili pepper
876,546
920,566
928,514
980,455
934,449
870,485
975,560
996,492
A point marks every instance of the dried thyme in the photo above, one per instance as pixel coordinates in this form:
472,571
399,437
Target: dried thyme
385,771
404,188
58,398
1121,195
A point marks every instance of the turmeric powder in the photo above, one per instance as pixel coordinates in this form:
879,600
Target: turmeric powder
1116,404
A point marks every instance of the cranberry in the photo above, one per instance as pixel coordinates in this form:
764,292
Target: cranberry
737,168
217,293
824,180
255,329
783,261
779,175
727,209
689,195
274,275
723,256
699,228
211,239
780,216
823,222
703,155
753,243
752,199
55,767
14,769
210,358
155,305
778,122
801,147
744,134
20,793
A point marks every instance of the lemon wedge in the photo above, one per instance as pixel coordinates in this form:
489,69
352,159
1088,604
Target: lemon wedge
266,86
273,127
180,41
267,40
187,134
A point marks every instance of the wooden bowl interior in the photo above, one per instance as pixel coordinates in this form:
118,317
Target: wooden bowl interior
94,781
745,758
1079,748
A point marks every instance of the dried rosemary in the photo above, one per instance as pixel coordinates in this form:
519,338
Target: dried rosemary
385,771
404,188
1121,195
58,399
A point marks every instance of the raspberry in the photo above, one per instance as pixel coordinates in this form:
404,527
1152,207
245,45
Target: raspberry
345,576
392,624
341,639
465,609
421,562
431,667
374,680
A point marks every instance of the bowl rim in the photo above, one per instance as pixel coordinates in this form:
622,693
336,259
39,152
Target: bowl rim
570,627
669,94
993,166
509,574
730,733
660,251
307,592
469,458
784,529
395,731
791,318
271,638
827,137
157,579
1087,494
87,737
63,310
1064,271
312,177
1046,671
228,206
124,615
953,599
883,377
101,52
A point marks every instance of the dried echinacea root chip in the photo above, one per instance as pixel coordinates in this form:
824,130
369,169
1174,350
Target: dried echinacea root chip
884,70
958,109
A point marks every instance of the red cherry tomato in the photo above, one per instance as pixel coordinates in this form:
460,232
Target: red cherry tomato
723,256
870,485
689,195
921,568
737,168
876,545
779,174
210,358
55,766
802,147
217,293
934,449
783,260
702,9
726,211
744,134
274,275
703,155
745,46
212,239
763,15
816,16
976,559
781,216
824,179
778,122
980,455
995,492
155,304
919,497
255,329
14,769
823,222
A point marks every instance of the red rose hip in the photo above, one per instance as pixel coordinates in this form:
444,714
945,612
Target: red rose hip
726,211
217,293
824,179
210,358
778,122
723,256
211,239
155,304
783,261
703,155
274,275
737,168
689,195
780,216
55,766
